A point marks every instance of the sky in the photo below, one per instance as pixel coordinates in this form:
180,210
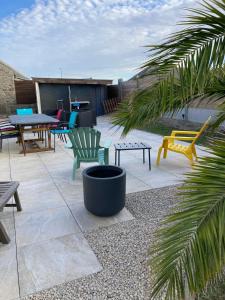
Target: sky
102,39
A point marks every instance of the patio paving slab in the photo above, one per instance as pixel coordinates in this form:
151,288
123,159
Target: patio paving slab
43,199
9,288
43,265
44,225
89,222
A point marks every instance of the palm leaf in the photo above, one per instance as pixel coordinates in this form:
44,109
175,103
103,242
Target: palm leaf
189,252
188,64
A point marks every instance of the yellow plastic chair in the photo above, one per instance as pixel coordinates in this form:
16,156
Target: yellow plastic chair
189,151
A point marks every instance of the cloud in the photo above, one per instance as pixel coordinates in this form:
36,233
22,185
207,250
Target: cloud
86,38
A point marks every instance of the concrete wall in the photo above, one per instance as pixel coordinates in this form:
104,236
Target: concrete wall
7,88
194,115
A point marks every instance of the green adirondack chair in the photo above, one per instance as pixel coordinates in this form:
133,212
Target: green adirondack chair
85,143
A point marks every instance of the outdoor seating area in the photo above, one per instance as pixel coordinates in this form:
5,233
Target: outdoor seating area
112,150
49,243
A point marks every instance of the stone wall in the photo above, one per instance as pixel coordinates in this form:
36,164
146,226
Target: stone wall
7,88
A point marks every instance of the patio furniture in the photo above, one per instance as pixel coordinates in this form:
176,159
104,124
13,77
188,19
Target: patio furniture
132,146
85,143
24,111
41,123
7,131
64,128
8,189
177,135
104,190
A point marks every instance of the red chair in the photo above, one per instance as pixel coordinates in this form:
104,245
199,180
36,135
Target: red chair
58,117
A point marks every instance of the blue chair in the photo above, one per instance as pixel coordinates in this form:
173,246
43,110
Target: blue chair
65,128
24,111
85,143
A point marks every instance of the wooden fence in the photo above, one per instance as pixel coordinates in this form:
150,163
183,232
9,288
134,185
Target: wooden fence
25,92
110,105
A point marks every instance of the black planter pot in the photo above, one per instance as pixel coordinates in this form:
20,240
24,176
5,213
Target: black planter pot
104,189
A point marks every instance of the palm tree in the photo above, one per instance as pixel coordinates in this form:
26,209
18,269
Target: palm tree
188,256
189,64
189,253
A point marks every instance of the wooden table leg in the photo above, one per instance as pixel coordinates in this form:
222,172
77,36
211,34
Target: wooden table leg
4,238
22,139
49,140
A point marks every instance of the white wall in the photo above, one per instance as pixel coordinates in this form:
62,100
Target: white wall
198,115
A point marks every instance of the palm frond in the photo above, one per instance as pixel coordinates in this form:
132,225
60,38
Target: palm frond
203,40
189,65
190,249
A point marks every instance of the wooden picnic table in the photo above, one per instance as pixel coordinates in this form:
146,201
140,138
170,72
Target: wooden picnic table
39,123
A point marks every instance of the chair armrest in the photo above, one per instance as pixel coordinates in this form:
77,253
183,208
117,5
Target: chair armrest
179,138
107,144
68,145
184,132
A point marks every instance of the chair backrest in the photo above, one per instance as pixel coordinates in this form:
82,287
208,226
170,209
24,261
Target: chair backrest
72,120
85,142
59,114
24,111
204,127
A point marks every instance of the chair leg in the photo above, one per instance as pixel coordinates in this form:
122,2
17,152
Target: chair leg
17,200
194,153
4,238
74,168
106,156
190,157
159,154
0,145
102,157
165,153
54,142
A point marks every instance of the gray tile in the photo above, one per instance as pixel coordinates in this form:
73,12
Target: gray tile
72,191
165,180
134,184
44,199
44,265
9,288
44,225
25,175
89,222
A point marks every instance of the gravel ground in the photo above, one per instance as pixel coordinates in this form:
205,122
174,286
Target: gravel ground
122,250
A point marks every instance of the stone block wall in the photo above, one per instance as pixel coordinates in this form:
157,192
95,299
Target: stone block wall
7,88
